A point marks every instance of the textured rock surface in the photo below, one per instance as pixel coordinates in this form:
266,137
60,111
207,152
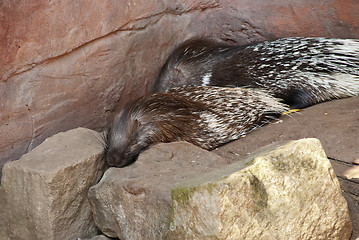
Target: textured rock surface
290,192
97,237
335,124
44,194
135,202
70,63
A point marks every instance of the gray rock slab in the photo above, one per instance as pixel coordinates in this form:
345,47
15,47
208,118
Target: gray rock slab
135,202
44,193
97,237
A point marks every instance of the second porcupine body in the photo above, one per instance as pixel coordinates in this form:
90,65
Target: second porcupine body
301,71
205,116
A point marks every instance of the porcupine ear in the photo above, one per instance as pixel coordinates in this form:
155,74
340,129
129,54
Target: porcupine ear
134,125
145,132
177,78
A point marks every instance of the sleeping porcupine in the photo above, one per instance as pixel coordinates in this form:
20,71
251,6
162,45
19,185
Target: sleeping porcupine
301,71
204,116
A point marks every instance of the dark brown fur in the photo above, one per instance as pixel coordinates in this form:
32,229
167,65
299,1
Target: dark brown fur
301,71
204,116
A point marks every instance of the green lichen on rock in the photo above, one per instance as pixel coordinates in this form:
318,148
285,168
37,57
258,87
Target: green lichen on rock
181,195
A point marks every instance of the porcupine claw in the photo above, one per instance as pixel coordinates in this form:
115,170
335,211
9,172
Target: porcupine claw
291,111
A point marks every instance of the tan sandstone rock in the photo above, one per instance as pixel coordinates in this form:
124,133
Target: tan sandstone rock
288,192
135,202
44,194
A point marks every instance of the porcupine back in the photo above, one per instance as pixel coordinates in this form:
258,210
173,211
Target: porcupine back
301,71
205,116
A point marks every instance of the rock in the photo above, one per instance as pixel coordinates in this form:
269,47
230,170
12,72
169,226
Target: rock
335,124
135,202
352,172
97,237
287,192
63,55
323,121
44,193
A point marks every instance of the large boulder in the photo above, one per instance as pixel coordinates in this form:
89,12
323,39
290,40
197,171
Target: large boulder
287,192
66,64
43,195
335,124
135,202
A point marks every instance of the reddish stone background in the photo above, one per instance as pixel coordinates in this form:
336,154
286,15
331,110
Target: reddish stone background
65,64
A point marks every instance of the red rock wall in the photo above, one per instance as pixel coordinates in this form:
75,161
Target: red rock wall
65,64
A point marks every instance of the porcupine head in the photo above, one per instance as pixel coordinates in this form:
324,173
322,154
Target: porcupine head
127,138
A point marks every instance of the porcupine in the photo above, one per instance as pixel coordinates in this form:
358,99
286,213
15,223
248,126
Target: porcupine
202,115
301,71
